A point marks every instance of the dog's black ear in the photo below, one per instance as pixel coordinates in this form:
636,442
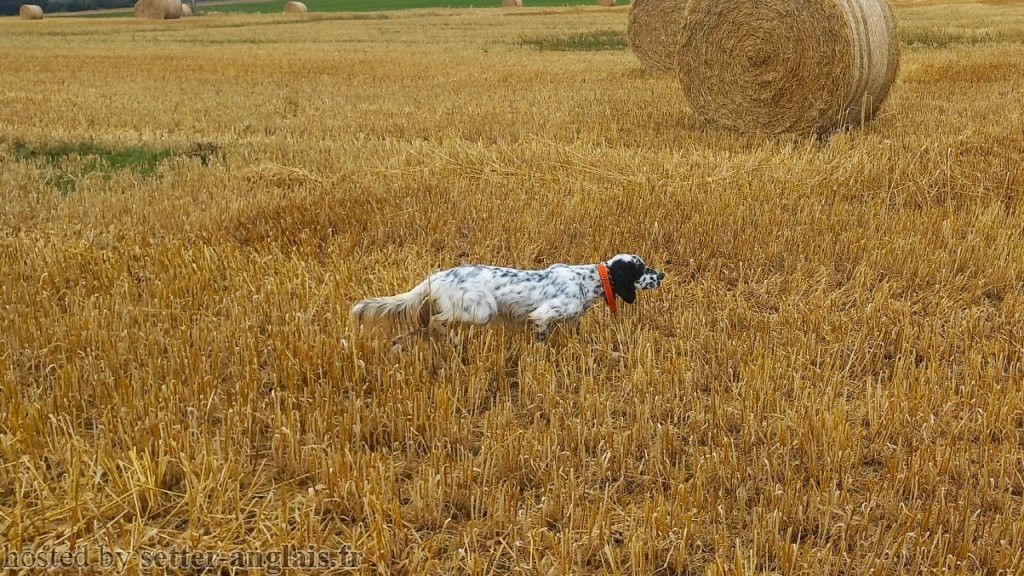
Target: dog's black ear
623,275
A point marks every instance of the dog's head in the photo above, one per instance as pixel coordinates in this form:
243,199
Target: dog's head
628,273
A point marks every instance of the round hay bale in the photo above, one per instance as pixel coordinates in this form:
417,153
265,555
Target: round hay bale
787,66
30,12
653,32
512,3
186,10
158,9
295,7
606,2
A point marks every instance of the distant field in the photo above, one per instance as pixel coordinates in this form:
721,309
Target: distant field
382,5
360,6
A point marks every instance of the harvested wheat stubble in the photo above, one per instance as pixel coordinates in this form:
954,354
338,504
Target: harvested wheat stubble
30,12
606,2
787,66
653,32
158,9
294,7
512,3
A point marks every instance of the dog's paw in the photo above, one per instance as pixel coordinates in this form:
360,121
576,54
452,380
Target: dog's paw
398,345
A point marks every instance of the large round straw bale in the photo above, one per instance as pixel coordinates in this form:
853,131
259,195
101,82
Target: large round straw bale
294,7
30,12
186,10
800,66
653,32
158,9
512,3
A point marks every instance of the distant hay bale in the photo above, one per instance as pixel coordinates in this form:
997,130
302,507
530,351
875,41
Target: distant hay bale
653,32
30,12
186,10
793,66
606,2
512,3
295,7
158,9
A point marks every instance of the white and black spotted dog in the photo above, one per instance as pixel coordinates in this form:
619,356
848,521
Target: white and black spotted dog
478,294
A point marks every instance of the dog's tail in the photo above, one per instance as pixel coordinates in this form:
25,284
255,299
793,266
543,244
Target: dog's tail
408,307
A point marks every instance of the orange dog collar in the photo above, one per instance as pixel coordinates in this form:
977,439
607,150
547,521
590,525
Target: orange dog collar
609,296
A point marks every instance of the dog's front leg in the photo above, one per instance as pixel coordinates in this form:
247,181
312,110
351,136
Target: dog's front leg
541,319
576,326
572,324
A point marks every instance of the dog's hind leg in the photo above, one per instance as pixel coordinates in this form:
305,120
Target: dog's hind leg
438,326
421,320
396,342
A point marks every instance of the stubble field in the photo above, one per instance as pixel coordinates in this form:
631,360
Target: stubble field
829,381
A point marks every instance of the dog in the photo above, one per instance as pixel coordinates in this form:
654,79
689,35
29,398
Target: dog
476,294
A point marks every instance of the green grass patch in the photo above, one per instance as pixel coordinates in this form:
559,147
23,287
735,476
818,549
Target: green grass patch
64,163
583,42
